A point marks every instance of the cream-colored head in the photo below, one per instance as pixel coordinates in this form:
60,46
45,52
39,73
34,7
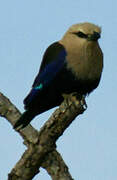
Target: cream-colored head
84,55
84,31
86,28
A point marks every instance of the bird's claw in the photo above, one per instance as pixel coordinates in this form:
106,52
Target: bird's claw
83,102
79,97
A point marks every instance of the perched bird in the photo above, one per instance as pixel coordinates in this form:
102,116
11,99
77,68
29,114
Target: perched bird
73,64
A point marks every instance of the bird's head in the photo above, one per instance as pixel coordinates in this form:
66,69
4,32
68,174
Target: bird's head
84,31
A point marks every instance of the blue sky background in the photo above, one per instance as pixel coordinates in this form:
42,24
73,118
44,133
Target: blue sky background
27,28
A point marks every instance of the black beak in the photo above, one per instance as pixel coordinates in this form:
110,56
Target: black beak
94,37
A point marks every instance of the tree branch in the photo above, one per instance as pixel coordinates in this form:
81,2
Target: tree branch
41,146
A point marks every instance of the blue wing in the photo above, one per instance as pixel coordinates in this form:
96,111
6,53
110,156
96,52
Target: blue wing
53,61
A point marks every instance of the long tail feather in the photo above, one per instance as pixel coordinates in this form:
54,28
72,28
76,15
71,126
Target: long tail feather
24,120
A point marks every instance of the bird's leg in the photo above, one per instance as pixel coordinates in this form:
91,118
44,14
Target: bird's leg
66,97
74,98
80,98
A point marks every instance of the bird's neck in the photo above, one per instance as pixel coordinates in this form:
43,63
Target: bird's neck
84,59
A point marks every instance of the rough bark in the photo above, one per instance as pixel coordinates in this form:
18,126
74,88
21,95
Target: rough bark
41,145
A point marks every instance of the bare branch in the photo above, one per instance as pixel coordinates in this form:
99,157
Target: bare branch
56,167
41,145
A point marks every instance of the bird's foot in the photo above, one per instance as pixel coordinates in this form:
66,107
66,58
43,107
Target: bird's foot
75,98
83,102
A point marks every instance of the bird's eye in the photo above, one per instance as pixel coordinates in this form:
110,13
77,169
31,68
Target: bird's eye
81,34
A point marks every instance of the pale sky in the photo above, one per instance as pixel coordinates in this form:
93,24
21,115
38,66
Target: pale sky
27,28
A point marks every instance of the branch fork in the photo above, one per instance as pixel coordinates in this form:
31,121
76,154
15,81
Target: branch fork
41,145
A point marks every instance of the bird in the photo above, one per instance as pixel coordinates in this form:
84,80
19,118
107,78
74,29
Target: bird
72,64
